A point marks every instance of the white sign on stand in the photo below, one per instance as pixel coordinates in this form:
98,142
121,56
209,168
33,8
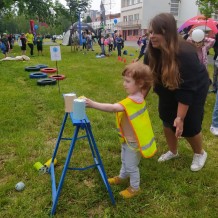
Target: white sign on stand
55,53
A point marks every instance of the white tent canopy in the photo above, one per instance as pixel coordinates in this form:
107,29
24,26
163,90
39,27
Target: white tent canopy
75,29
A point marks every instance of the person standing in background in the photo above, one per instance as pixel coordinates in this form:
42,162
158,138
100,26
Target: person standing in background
214,125
6,44
30,39
139,43
39,44
11,41
143,45
110,43
119,42
215,47
23,43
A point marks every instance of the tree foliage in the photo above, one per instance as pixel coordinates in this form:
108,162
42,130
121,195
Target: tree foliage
77,6
88,19
207,7
40,10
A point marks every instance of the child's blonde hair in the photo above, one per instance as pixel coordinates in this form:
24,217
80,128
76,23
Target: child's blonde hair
140,72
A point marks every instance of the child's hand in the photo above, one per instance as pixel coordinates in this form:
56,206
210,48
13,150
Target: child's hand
88,102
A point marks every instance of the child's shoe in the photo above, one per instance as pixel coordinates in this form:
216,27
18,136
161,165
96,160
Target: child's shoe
115,180
129,192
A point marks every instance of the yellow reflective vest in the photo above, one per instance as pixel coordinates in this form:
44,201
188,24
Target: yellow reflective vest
138,117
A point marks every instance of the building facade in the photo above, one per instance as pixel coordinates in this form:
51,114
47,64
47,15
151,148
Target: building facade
136,14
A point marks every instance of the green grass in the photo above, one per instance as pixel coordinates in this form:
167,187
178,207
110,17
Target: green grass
30,121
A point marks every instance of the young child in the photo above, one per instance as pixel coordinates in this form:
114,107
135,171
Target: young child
139,43
39,43
202,43
143,45
134,127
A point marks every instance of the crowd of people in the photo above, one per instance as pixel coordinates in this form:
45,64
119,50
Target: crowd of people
7,42
111,42
108,42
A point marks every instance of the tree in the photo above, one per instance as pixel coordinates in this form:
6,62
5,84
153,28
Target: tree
39,10
88,19
76,7
207,7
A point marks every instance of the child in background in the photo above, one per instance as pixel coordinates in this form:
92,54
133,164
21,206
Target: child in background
139,43
102,45
110,43
39,42
134,127
202,43
143,45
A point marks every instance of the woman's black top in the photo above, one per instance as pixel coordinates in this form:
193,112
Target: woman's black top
192,91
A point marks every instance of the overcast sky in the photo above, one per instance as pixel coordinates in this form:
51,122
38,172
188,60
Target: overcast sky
115,5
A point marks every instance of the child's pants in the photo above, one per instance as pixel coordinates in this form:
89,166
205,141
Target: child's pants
130,157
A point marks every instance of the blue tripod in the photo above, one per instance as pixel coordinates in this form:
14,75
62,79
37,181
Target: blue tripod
79,124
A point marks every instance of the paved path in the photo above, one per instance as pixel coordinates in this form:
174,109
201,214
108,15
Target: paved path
134,44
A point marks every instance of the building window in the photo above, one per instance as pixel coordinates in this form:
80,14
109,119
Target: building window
174,7
124,18
124,3
130,17
135,32
136,16
129,2
129,32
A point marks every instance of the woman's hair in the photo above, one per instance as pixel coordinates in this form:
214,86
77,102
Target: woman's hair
141,73
163,61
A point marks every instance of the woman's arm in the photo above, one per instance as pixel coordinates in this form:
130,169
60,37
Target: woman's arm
104,106
179,121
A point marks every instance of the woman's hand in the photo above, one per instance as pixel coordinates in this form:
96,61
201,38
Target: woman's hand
178,123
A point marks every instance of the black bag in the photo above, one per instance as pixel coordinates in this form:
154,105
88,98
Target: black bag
125,52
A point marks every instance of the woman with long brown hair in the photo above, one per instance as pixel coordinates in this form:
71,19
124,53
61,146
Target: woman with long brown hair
181,83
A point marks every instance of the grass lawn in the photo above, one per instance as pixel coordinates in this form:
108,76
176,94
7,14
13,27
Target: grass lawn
30,121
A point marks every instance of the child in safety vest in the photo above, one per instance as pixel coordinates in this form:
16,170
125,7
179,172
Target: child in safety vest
134,126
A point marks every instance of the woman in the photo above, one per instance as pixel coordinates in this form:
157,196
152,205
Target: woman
181,83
